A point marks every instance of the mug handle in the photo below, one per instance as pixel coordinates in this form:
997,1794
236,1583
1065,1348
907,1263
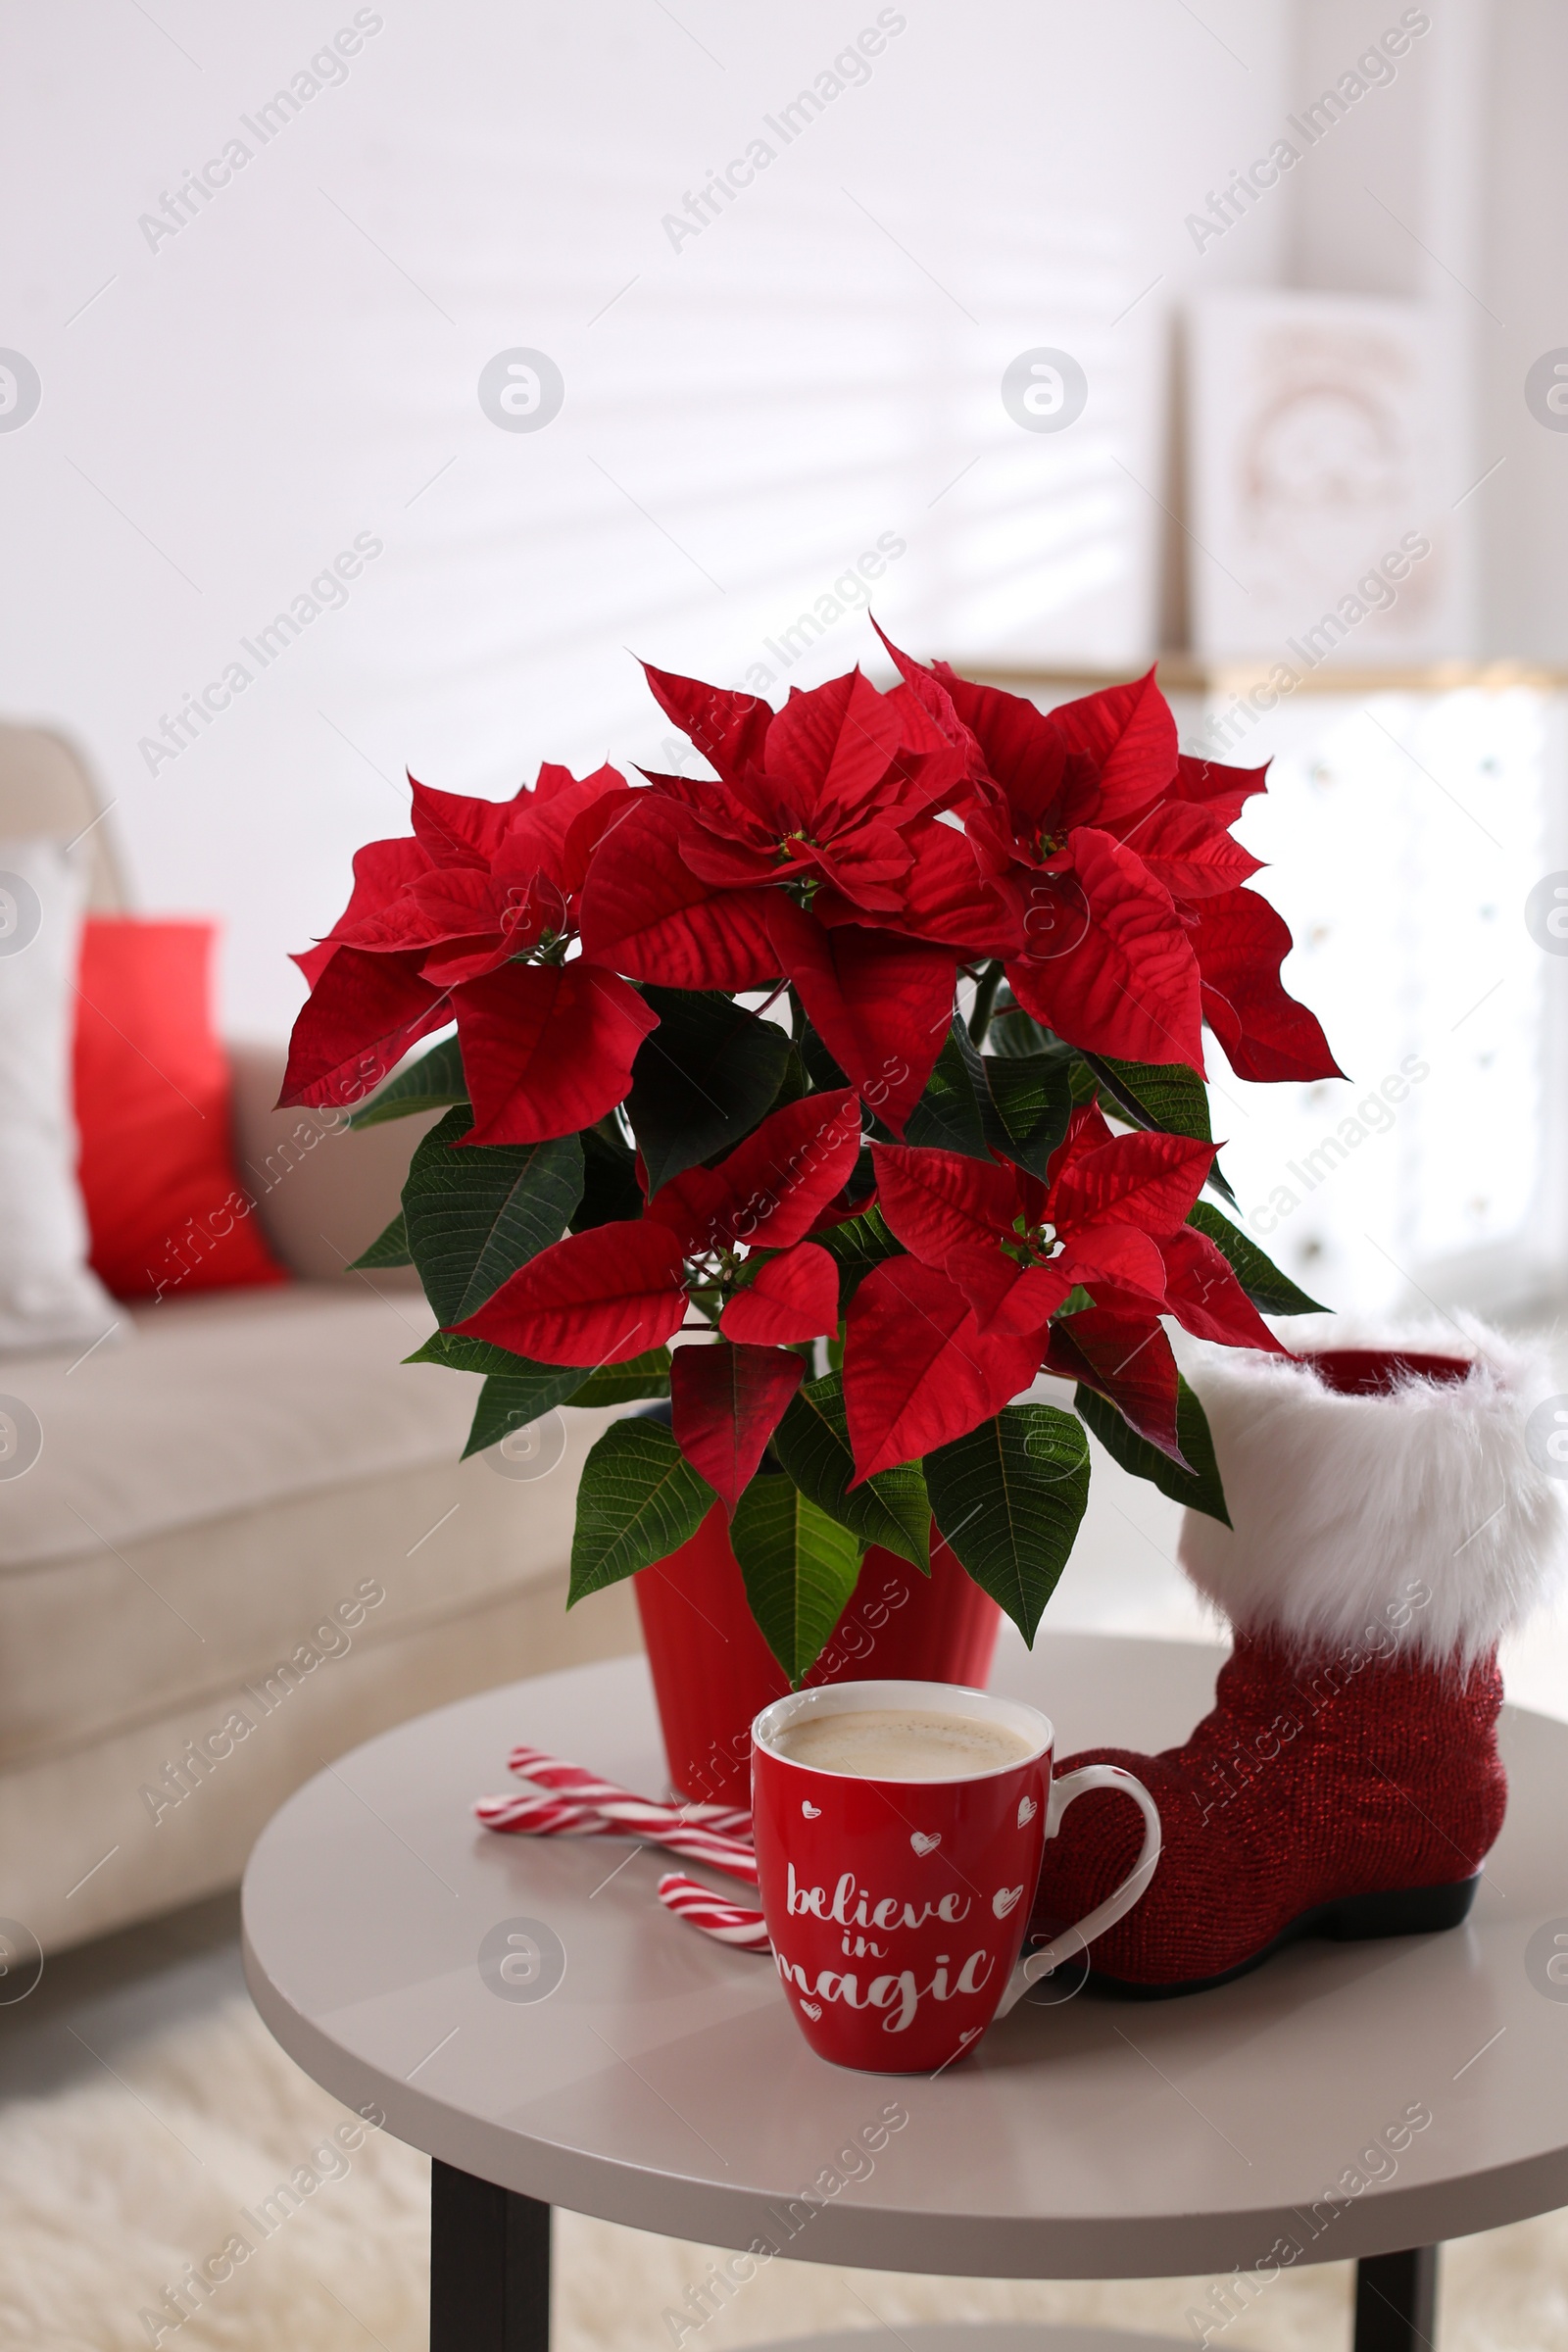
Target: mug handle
1077,1938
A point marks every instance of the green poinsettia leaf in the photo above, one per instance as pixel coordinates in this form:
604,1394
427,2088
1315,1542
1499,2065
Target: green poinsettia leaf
701,1080
1007,1500
799,1565
949,1116
813,1442
477,1213
611,1193
1164,1094
987,1106
509,1401
795,1081
1013,1033
645,1375
856,1246
1028,1102
639,1501
460,1352
1199,1487
1271,1292
389,1249
434,1079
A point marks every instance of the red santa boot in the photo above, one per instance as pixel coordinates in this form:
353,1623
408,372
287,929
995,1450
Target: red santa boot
1391,1517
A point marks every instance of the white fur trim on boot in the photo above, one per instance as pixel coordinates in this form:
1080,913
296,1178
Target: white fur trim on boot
1340,1505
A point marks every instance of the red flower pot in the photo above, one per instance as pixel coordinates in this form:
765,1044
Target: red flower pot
714,1672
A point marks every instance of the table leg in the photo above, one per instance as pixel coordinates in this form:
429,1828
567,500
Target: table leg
489,2267
1396,2301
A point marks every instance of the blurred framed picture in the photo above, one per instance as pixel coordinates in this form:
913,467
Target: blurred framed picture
1326,467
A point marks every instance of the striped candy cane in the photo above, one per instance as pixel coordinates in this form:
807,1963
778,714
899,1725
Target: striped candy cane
582,1804
571,1780
701,1907
543,1817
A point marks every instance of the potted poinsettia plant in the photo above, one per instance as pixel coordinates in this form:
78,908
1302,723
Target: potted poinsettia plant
832,1095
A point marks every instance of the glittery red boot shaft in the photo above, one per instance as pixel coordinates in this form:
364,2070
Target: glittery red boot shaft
1312,1783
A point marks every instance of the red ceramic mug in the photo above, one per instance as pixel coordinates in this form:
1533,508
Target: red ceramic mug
897,1908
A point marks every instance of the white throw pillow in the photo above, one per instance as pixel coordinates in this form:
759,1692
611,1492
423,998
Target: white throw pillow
49,1295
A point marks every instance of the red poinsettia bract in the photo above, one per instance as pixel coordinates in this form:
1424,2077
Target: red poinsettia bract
817,854
1112,855
470,919
939,1340
610,1293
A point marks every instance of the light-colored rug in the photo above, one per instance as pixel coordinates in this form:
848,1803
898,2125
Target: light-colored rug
112,2193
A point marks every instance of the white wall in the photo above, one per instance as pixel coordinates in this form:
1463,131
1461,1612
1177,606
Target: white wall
816,371
1525,513
1452,184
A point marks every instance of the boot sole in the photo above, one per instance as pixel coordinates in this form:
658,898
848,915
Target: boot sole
1349,1919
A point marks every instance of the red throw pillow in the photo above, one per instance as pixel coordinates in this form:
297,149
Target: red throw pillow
167,1212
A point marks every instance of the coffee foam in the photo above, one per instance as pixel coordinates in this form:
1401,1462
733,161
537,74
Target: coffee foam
902,1743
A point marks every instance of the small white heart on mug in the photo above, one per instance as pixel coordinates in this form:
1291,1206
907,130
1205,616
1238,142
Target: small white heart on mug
812,1812
1027,1809
1002,1901
812,2009
924,1842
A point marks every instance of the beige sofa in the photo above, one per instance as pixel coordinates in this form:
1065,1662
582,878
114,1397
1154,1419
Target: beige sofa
248,1541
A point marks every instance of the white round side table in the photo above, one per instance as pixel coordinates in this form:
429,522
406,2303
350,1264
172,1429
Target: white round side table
526,2011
